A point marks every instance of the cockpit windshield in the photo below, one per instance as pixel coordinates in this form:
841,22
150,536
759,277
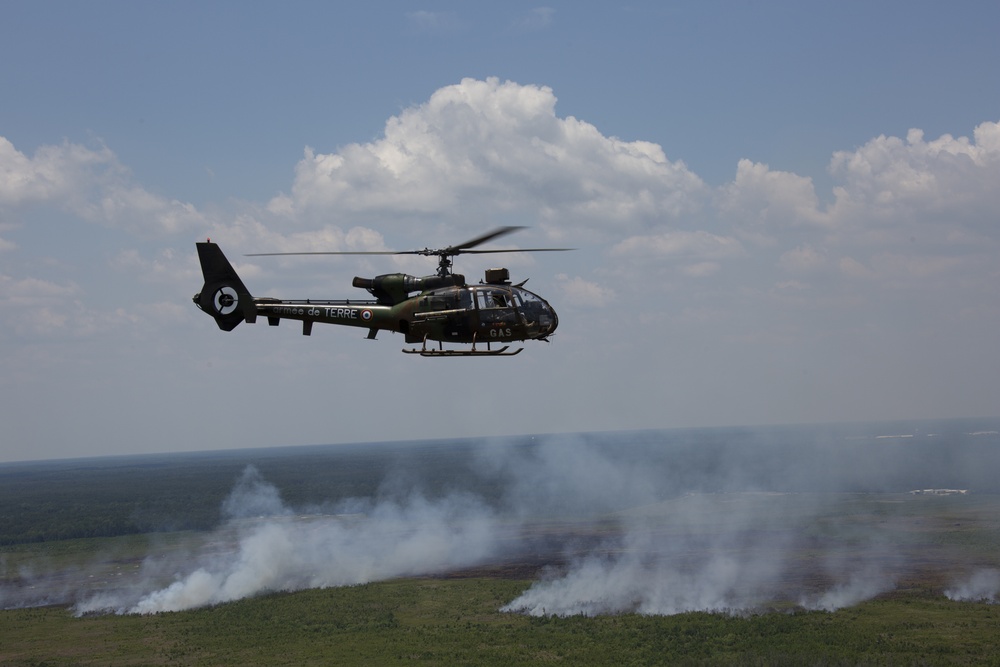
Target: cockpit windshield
538,315
495,307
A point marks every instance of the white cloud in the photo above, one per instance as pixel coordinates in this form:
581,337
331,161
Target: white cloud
700,269
498,147
760,196
803,258
905,211
34,308
853,268
433,22
537,18
31,306
579,292
899,266
90,183
26,291
912,183
749,276
680,244
62,172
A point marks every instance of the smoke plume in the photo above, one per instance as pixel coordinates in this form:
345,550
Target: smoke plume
735,522
282,551
981,586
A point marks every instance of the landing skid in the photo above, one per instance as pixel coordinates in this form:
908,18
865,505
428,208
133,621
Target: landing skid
424,351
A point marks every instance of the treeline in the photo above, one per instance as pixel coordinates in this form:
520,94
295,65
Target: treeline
55,502
119,496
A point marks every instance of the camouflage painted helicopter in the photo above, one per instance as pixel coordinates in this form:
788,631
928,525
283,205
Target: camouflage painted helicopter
443,308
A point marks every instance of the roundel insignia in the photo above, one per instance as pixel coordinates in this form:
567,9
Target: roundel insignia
366,314
226,300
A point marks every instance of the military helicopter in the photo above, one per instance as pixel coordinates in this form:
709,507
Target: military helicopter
443,308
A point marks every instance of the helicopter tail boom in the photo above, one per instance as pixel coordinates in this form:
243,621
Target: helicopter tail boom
223,296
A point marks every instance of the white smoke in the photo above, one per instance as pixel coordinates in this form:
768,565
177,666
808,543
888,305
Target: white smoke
288,552
865,584
642,580
981,586
715,552
738,569
640,529
253,497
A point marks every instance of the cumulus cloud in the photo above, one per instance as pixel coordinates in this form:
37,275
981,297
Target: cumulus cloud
577,291
891,180
497,146
501,147
907,214
695,254
801,259
90,183
34,306
680,244
904,210
888,190
853,268
22,292
55,172
760,196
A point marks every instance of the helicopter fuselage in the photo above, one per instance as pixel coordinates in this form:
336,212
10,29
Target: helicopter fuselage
467,314
446,310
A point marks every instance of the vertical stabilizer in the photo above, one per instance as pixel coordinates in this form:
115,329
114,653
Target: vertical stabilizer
223,296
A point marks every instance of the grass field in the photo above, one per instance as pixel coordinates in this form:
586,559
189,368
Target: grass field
455,619
601,547
456,622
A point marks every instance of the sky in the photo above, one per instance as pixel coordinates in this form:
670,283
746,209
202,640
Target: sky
784,212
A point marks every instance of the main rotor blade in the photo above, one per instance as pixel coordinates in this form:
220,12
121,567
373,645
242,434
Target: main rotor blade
446,251
479,240
484,252
450,251
331,252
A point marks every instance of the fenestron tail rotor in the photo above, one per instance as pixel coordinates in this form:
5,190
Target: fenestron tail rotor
444,255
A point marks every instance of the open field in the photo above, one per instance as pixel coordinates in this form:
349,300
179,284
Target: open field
918,543
455,618
455,622
708,548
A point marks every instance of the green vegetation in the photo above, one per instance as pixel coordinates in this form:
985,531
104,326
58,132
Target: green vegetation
456,622
104,497
62,500
89,526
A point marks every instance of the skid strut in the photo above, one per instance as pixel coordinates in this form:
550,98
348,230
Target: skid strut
424,351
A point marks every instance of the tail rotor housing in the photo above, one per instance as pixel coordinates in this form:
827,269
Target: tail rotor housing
223,296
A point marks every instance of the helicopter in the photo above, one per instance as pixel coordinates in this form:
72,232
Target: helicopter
440,308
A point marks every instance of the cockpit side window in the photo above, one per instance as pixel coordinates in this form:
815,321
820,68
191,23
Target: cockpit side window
492,297
496,307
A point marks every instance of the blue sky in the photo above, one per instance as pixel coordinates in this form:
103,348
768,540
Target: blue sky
785,212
